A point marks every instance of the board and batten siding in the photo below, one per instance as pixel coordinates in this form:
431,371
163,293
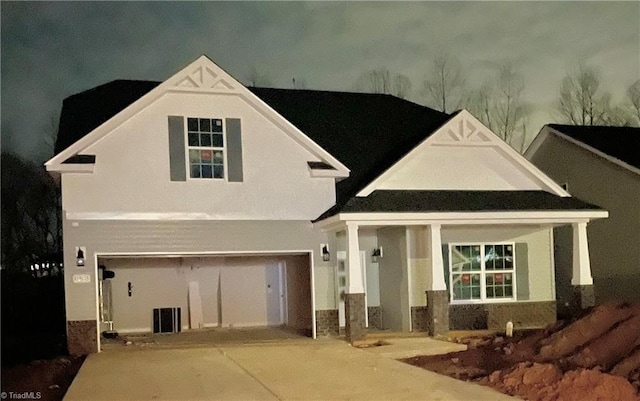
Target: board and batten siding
110,237
133,171
539,244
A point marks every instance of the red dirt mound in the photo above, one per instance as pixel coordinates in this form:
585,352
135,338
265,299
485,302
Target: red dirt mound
596,357
546,382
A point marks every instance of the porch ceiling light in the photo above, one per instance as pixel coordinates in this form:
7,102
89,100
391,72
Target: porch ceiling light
376,255
326,256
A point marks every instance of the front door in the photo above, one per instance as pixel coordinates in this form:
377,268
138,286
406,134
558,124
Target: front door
341,284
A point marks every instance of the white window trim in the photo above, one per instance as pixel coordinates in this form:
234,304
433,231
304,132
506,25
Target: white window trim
483,272
225,164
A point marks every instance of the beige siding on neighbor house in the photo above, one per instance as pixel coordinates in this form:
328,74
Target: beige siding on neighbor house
614,243
184,237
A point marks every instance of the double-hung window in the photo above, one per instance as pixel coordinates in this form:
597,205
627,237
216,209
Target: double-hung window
482,272
205,138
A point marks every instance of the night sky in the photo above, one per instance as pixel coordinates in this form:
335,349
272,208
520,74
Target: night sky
52,50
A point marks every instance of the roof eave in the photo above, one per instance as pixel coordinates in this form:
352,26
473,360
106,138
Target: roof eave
544,217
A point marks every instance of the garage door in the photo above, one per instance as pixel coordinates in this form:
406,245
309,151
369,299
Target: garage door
220,291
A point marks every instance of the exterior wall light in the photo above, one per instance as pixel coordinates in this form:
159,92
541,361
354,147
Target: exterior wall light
326,256
80,251
376,255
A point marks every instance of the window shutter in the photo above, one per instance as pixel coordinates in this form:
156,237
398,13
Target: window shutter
234,149
445,263
177,162
522,271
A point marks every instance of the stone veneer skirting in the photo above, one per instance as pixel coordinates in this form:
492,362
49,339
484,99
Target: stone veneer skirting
82,337
496,316
327,323
419,319
375,317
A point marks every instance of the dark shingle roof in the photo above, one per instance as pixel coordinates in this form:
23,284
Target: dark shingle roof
404,201
366,132
622,143
85,111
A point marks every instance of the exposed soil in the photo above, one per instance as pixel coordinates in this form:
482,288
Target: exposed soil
45,380
596,357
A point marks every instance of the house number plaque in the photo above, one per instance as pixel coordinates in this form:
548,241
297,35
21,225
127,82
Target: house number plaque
81,278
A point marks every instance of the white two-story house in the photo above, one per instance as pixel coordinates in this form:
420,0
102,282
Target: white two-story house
198,203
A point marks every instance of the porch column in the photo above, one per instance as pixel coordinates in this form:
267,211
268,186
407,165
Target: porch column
355,325
582,281
437,294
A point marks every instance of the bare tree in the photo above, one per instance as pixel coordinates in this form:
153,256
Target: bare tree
443,86
31,226
509,107
383,81
258,78
401,86
299,83
479,102
375,81
580,101
634,96
498,104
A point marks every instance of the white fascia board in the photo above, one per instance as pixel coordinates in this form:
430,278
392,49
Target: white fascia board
170,85
472,217
516,157
605,156
71,168
536,143
326,173
339,221
160,216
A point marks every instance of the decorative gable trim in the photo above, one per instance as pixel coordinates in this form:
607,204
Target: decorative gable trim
201,76
463,129
546,131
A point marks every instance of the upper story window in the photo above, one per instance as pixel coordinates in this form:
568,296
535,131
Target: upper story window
482,272
206,147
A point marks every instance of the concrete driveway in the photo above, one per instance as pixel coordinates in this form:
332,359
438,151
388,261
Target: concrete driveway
313,370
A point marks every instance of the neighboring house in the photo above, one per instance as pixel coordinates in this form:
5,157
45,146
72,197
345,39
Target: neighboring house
217,205
600,165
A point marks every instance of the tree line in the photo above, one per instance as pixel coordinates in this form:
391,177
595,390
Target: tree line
498,101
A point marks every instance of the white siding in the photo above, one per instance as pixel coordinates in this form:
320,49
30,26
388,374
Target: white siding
185,237
459,168
132,169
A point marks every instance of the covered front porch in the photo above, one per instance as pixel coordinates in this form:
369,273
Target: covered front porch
441,271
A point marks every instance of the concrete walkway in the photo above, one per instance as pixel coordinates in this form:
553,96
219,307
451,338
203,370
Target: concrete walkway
315,370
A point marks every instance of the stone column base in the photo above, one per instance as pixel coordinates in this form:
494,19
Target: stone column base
82,337
438,312
583,297
327,322
355,327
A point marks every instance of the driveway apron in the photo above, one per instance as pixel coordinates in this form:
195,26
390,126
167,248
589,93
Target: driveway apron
318,370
